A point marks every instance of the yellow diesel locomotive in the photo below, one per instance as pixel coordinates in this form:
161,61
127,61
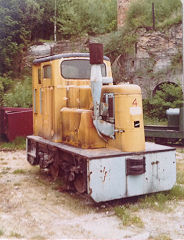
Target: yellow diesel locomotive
91,131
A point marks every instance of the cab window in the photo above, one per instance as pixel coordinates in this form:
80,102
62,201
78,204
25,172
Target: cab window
78,69
47,71
39,76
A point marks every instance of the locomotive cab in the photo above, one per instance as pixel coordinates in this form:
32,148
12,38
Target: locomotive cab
63,105
57,82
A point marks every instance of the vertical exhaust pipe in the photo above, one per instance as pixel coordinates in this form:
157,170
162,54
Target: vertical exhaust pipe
96,59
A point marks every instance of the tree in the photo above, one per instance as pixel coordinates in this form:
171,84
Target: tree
77,17
45,27
17,21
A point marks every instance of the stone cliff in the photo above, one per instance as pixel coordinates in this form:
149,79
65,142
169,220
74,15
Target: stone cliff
157,58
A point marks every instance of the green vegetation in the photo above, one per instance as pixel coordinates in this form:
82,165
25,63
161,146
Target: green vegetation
19,171
139,15
180,178
167,13
15,235
161,237
1,233
156,201
168,96
5,170
20,96
23,23
18,144
5,85
121,42
38,237
127,217
152,120
15,93
17,20
88,17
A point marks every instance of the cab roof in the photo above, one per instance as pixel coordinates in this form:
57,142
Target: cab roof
59,56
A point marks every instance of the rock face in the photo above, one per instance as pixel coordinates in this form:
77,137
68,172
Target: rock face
44,49
155,60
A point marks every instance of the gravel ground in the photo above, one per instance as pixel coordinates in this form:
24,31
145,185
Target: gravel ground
32,207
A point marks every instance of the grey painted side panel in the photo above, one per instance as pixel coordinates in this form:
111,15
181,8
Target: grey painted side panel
107,178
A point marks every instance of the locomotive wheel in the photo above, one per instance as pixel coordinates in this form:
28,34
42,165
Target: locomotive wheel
80,183
161,141
54,171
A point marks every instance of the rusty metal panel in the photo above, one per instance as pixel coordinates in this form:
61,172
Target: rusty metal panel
160,175
3,111
16,122
96,53
108,178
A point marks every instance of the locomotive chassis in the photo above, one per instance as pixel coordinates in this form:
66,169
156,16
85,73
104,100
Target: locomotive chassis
106,174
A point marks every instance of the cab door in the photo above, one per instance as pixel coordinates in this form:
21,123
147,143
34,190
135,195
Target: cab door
46,100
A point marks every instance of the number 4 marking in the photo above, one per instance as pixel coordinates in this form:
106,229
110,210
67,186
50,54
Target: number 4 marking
135,102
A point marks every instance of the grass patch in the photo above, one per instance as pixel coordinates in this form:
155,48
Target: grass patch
168,13
181,150
15,235
154,201
5,170
38,238
19,171
1,233
176,193
128,218
180,177
160,237
159,201
18,144
154,121
17,184
4,163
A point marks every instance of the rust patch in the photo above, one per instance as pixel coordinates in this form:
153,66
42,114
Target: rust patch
89,175
105,176
90,191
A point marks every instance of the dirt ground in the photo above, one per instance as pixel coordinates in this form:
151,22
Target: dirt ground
32,207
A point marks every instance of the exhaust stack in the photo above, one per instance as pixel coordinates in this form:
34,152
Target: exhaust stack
96,59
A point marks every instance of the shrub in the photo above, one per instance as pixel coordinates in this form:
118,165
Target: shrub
169,96
139,15
20,95
88,16
127,218
18,144
5,84
121,42
167,13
